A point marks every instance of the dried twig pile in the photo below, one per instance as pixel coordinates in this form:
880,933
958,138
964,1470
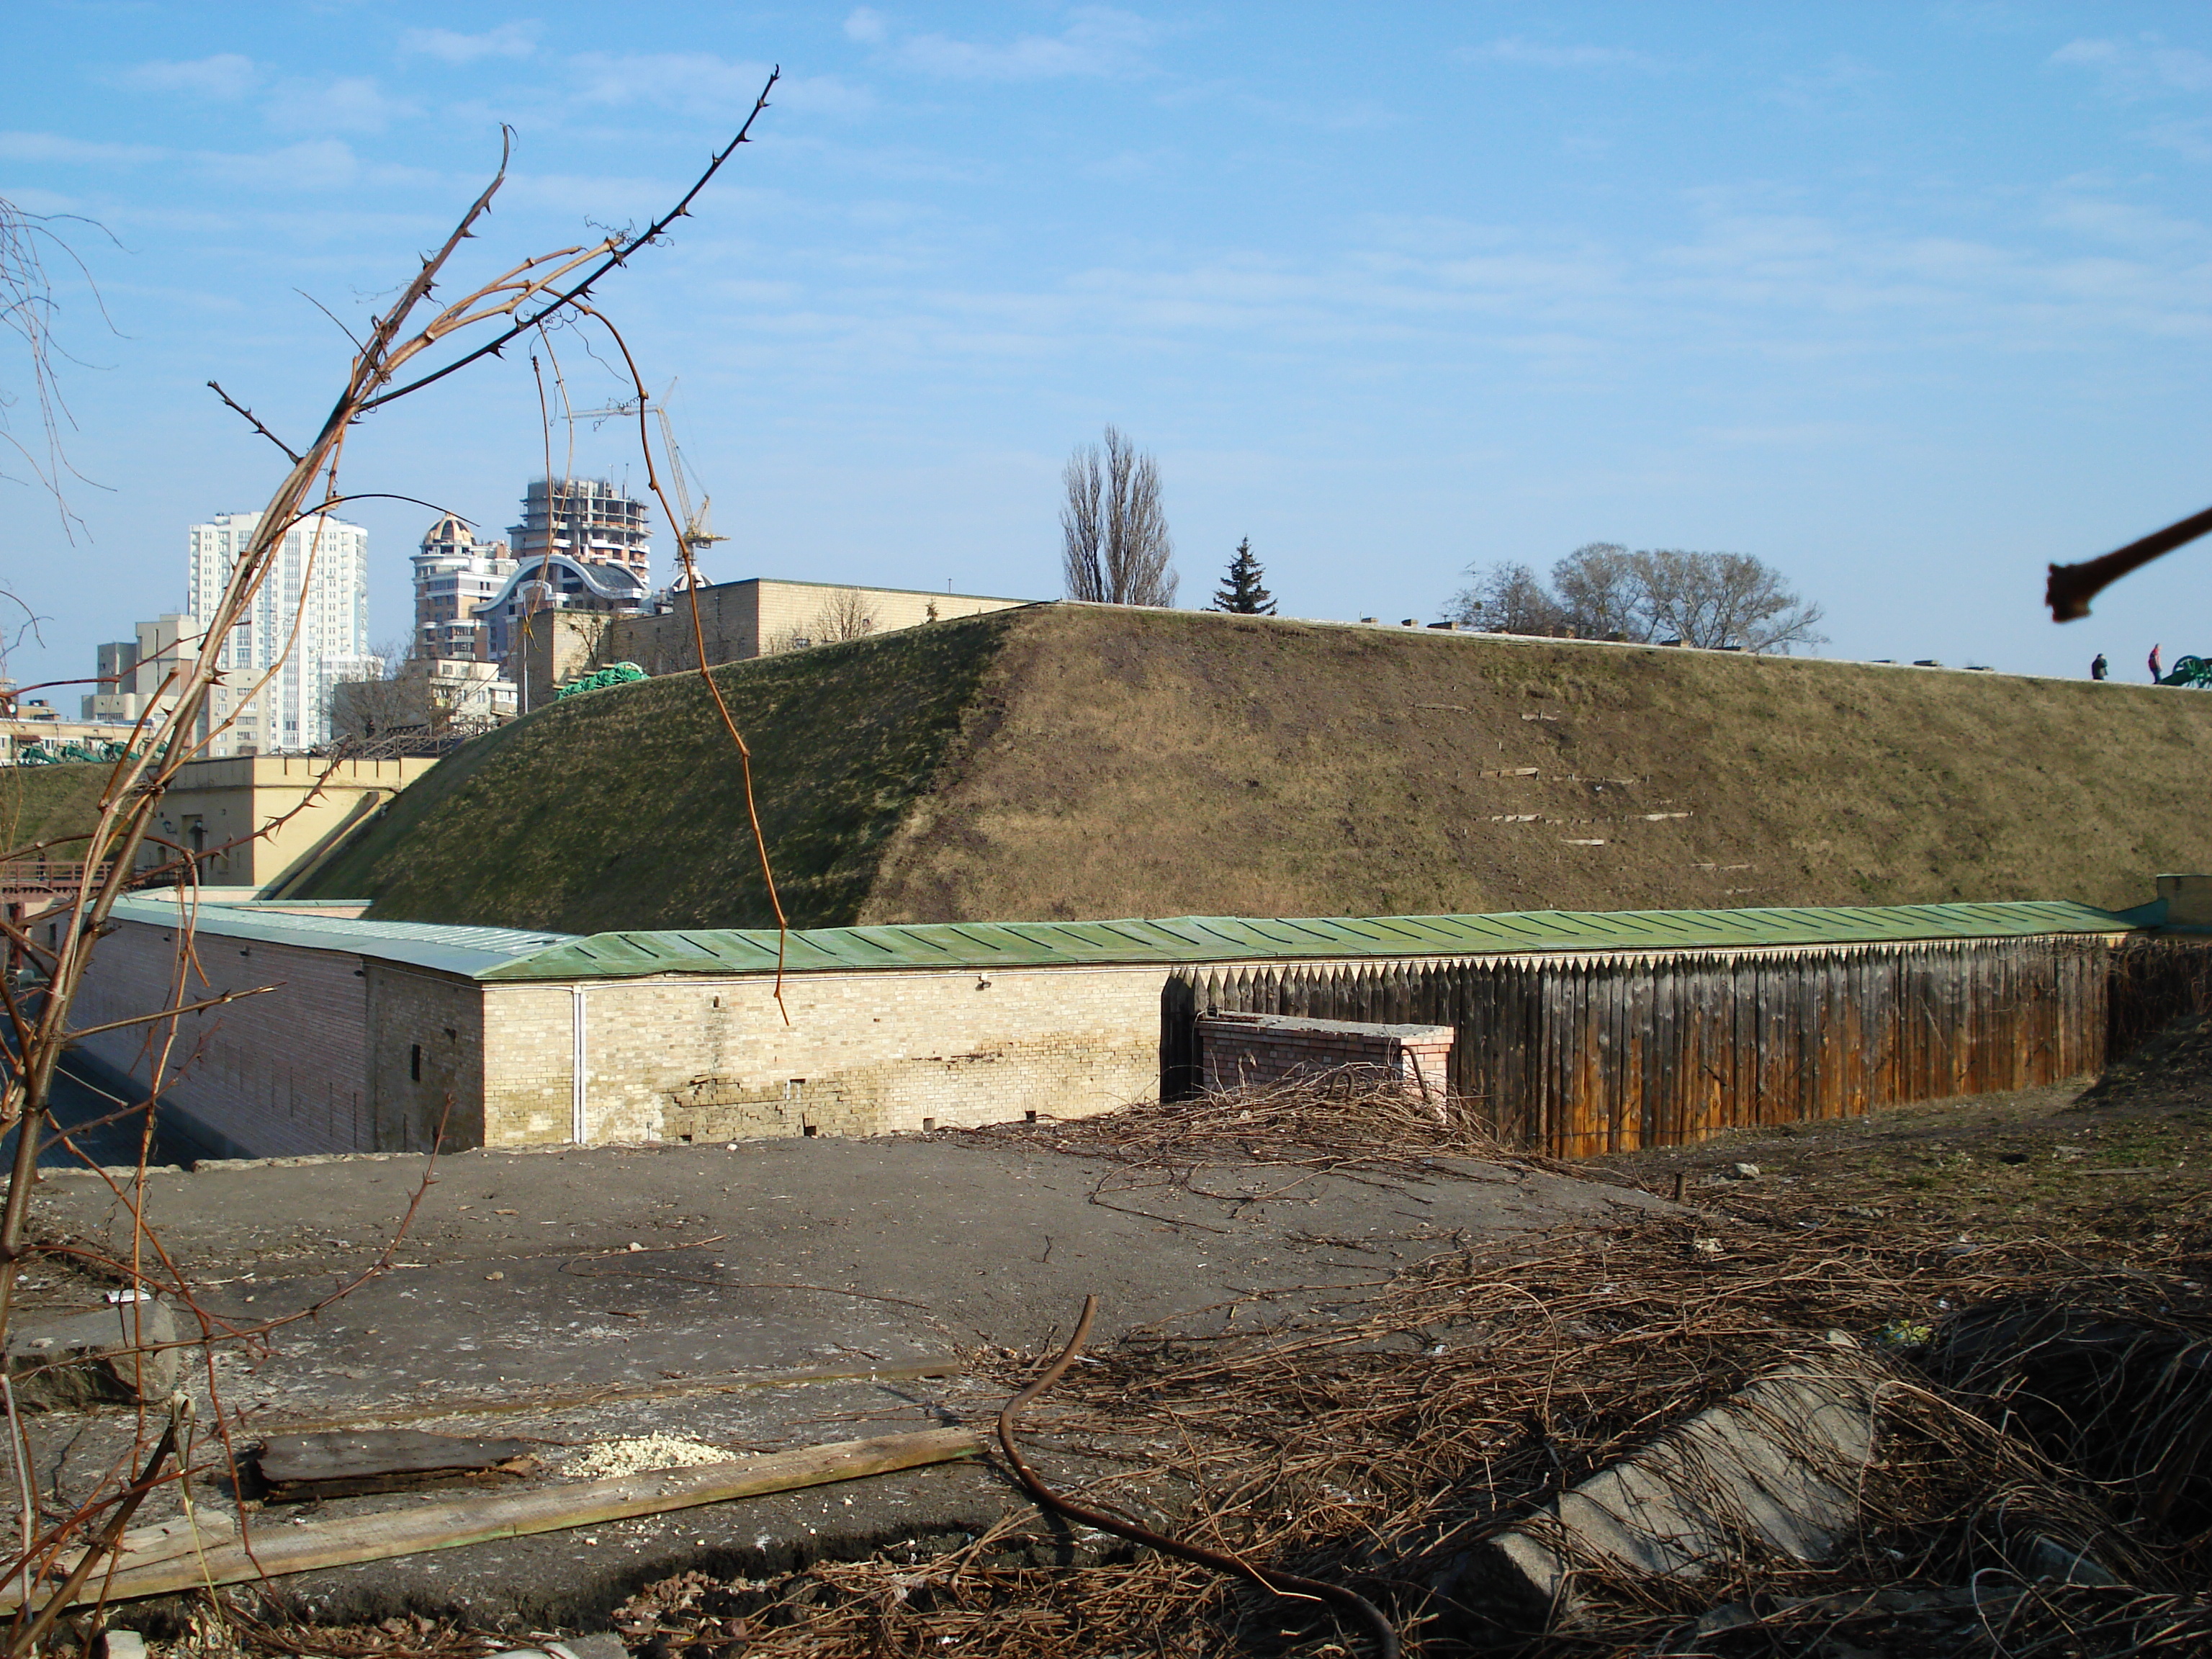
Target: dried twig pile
1334,1126
1448,1399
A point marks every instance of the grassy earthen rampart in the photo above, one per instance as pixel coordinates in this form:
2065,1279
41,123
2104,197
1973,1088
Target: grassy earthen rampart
1078,761
56,803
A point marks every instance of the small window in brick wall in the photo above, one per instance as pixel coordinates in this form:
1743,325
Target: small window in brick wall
414,1062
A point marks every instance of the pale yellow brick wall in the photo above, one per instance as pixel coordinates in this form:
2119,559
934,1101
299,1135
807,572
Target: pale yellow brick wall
738,620
528,1081
280,1074
803,610
261,821
863,1053
425,1059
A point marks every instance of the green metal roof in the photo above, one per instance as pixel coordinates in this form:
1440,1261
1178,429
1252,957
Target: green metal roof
978,945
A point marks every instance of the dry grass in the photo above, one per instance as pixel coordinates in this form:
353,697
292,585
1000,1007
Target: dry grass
1337,1125
1164,764
1061,762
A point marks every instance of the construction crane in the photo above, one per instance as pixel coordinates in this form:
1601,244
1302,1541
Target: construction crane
697,531
697,534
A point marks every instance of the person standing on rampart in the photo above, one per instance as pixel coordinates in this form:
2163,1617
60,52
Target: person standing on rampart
2098,667
2154,665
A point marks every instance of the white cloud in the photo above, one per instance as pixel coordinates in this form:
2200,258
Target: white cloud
2144,67
1517,49
225,76
53,147
2121,223
704,84
321,164
2189,139
449,46
353,104
32,200
1098,40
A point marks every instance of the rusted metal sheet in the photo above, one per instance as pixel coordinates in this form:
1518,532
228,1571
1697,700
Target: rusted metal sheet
1576,1055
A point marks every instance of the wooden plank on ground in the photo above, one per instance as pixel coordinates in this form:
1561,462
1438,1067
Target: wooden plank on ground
165,1560
530,1404
350,1464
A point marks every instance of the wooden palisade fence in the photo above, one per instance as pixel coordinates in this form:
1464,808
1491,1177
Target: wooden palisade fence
1576,1054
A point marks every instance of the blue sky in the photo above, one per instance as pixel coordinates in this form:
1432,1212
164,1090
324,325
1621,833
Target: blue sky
1905,300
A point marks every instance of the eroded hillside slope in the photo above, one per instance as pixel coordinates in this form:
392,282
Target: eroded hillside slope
1080,762
1171,764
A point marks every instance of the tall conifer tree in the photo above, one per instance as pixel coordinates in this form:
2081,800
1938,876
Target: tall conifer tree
1240,591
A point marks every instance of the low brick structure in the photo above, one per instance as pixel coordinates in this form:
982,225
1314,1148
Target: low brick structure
1576,1034
1253,1050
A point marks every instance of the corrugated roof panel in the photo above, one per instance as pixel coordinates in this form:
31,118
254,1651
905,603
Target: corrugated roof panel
465,951
1231,939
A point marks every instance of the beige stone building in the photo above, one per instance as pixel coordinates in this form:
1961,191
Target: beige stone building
757,618
258,822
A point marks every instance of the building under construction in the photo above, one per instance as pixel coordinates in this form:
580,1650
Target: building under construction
586,519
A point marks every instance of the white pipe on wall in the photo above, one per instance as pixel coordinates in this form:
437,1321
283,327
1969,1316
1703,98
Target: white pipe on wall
577,1124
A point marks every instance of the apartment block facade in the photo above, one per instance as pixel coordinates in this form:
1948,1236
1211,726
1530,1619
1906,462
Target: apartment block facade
306,629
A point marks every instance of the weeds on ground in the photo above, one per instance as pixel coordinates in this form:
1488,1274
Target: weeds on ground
1431,1408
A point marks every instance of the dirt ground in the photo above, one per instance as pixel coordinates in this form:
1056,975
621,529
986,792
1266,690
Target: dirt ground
1342,1345
1534,1366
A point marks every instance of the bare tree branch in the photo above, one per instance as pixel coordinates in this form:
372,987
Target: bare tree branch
254,421
27,310
2071,587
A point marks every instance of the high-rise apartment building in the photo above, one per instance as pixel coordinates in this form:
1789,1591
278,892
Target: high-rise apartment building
317,581
137,677
588,520
455,572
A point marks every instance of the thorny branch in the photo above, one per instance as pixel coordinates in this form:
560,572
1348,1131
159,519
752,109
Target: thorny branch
254,421
616,251
2071,587
171,735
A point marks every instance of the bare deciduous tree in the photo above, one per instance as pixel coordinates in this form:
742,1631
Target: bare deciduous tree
846,615
1115,549
363,708
1508,598
26,312
1601,591
1716,599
